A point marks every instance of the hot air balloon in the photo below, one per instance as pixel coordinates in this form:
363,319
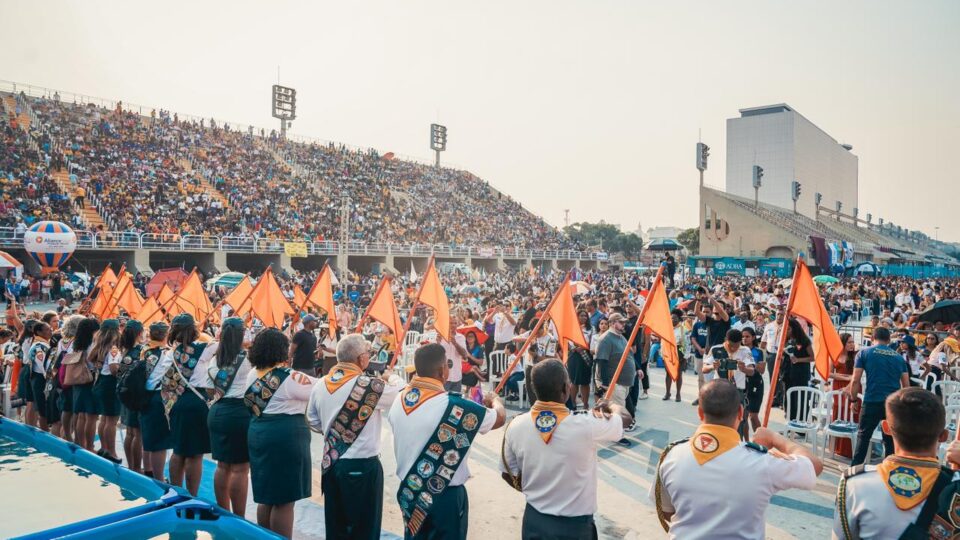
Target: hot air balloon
50,243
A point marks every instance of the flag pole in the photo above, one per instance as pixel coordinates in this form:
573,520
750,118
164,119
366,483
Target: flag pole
118,297
531,337
784,327
413,308
633,336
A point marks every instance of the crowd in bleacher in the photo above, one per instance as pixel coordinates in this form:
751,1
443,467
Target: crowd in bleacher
27,194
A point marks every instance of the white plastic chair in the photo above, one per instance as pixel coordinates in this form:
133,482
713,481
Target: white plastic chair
950,400
411,338
946,388
808,400
496,365
841,425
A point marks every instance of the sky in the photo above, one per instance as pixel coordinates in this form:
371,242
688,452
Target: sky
592,106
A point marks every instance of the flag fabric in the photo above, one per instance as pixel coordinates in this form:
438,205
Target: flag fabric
126,296
656,318
565,321
109,277
165,294
413,273
321,297
239,297
267,302
101,303
192,299
432,294
808,305
150,312
299,297
383,309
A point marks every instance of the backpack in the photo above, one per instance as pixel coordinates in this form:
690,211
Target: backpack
132,387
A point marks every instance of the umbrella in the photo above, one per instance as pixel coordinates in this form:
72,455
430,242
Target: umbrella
227,279
469,289
470,329
823,278
664,244
945,311
581,287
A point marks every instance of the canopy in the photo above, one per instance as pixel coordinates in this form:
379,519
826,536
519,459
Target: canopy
823,278
228,280
866,269
663,244
7,261
173,277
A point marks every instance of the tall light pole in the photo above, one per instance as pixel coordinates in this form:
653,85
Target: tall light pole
344,233
438,139
757,182
284,107
703,152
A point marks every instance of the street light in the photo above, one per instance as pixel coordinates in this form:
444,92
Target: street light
757,182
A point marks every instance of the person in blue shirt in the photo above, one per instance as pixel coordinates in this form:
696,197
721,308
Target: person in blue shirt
886,373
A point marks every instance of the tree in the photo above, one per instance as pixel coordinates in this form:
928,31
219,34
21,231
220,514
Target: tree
605,236
690,238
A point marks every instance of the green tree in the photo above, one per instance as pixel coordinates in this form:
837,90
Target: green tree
605,236
690,238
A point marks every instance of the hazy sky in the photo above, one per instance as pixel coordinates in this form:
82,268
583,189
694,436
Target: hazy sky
590,105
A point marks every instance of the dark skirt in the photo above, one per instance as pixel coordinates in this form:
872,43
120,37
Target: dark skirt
66,400
229,421
37,382
105,396
154,429
188,425
578,367
83,402
129,418
24,389
754,393
54,406
280,466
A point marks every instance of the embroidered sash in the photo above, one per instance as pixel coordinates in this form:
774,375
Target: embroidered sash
262,390
177,377
132,356
418,392
151,354
438,461
711,441
909,480
226,375
353,416
547,415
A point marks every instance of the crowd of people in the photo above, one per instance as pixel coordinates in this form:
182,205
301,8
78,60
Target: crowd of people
249,396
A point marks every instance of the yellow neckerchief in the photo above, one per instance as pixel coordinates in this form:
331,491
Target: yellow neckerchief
952,342
547,415
340,375
419,391
909,479
712,440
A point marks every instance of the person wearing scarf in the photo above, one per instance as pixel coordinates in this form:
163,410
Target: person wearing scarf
712,485
550,454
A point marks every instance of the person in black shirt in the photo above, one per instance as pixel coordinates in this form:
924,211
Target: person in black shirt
795,368
716,318
303,349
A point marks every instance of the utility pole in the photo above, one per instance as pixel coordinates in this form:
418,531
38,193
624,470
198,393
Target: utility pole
566,217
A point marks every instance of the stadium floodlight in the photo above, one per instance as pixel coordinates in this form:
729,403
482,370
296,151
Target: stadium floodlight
703,152
438,139
817,199
795,188
284,106
757,176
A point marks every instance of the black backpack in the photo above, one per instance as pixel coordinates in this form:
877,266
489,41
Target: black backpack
132,387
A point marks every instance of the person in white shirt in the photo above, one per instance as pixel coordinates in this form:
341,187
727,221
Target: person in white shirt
456,352
278,439
550,455
504,325
154,428
713,486
352,478
432,432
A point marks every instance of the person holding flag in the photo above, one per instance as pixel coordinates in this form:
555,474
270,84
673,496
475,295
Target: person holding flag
552,447
432,435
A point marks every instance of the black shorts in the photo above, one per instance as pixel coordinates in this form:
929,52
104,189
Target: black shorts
754,393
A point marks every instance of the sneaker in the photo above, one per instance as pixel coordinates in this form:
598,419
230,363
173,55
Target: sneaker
644,396
625,443
632,427
696,402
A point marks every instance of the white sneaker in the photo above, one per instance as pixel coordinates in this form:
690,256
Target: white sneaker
644,396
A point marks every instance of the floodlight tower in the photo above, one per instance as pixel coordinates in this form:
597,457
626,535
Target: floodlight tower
284,107
703,152
438,139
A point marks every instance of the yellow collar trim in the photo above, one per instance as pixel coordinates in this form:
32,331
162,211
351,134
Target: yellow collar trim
712,440
546,416
908,479
341,374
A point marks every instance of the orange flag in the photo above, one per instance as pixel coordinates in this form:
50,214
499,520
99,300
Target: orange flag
299,297
564,317
383,309
150,312
164,294
656,317
267,301
433,295
808,305
321,296
238,297
192,298
109,277
101,303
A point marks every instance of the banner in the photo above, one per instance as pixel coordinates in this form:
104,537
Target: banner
295,249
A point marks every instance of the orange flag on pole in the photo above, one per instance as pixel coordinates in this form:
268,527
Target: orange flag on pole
564,316
321,297
102,301
433,295
808,305
267,301
299,297
657,319
164,294
150,312
383,309
236,298
193,299
109,277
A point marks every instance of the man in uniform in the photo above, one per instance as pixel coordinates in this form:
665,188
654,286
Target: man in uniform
903,492
712,485
551,456
346,406
432,434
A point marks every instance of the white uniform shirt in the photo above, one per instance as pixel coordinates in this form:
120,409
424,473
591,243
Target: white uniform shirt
560,478
40,359
503,331
456,370
726,497
112,358
155,377
411,433
239,385
324,407
292,396
743,354
871,511
771,337
200,378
